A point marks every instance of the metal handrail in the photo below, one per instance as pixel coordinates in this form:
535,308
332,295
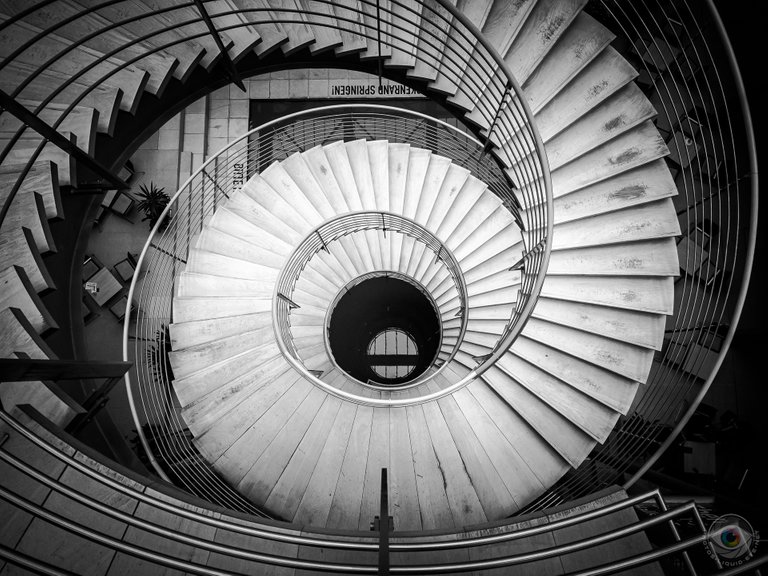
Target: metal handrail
470,63
165,253
329,232
276,560
711,301
750,249
514,559
281,536
73,527
623,449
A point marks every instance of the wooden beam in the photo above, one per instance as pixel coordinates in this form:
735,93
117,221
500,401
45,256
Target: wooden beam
230,66
30,119
27,369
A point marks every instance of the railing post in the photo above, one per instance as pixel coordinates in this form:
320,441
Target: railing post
323,245
520,264
384,524
502,105
676,535
378,41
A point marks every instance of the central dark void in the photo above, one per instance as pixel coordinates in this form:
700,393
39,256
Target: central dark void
384,330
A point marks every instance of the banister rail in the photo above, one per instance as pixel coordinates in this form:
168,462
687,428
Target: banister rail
443,42
151,394
720,186
72,527
267,531
278,532
328,233
703,101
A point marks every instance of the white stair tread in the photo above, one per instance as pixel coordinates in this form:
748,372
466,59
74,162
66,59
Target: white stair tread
638,328
16,291
235,225
601,77
184,334
584,40
649,294
647,183
19,339
543,27
607,387
196,284
204,308
218,242
202,382
190,359
624,359
204,262
570,442
643,222
228,401
592,417
644,258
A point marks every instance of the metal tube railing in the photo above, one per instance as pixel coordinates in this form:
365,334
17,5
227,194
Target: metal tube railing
469,61
710,300
414,545
272,559
344,225
195,202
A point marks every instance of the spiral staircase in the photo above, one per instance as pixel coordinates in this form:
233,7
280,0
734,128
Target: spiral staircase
547,241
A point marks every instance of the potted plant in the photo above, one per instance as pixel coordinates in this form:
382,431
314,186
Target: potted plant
153,201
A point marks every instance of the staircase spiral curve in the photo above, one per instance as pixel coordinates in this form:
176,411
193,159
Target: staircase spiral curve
506,426
457,454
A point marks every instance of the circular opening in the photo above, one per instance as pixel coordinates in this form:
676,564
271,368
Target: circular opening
393,354
384,330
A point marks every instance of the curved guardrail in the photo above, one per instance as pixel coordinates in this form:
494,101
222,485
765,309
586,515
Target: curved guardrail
107,481
165,254
693,29
700,105
329,232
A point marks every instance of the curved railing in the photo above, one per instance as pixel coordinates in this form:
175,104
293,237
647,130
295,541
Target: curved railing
329,232
282,544
703,321
440,40
702,111
55,80
165,254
